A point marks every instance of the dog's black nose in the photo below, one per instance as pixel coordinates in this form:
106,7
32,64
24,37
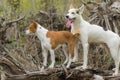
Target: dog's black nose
67,16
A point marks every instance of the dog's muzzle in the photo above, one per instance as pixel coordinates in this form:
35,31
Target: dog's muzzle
27,32
67,16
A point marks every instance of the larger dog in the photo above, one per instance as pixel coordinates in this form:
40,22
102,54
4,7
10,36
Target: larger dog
93,33
51,40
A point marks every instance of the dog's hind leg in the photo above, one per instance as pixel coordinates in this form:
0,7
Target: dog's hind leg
52,55
117,67
75,58
65,49
71,51
69,61
115,55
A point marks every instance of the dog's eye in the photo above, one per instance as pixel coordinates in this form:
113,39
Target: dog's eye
73,13
77,12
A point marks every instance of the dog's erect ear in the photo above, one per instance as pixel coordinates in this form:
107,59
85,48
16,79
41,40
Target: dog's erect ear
71,6
81,9
34,23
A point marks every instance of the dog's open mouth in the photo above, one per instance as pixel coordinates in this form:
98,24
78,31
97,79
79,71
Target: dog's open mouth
68,24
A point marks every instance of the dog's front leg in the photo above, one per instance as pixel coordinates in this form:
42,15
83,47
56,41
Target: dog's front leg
69,61
65,49
85,55
52,55
84,40
45,55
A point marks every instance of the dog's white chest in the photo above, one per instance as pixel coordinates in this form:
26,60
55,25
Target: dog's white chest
46,43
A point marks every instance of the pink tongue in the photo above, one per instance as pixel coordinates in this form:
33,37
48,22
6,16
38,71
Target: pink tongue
68,24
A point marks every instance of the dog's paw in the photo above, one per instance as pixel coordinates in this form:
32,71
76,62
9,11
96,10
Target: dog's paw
42,69
65,62
67,66
81,68
74,60
113,69
115,74
84,67
51,67
97,77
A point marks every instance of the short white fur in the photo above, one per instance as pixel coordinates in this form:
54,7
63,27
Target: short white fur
96,34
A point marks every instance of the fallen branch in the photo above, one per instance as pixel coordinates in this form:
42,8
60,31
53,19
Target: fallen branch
7,64
9,22
27,75
60,72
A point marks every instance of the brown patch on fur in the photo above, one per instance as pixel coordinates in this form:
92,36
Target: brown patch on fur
76,32
33,27
62,37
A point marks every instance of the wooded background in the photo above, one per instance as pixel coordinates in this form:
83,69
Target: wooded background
21,54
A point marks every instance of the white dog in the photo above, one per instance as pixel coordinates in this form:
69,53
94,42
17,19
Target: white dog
93,33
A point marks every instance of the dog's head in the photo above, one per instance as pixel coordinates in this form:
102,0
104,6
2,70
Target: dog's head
73,14
32,28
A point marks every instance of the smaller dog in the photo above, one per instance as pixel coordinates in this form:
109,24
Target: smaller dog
51,40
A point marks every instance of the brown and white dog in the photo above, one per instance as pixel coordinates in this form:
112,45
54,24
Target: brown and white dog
51,40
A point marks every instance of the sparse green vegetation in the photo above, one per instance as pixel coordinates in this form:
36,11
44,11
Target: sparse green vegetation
25,51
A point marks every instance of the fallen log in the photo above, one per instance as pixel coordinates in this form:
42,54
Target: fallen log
10,66
60,74
13,72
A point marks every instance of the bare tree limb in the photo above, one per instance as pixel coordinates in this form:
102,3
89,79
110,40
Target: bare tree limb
27,75
12,67
7,23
